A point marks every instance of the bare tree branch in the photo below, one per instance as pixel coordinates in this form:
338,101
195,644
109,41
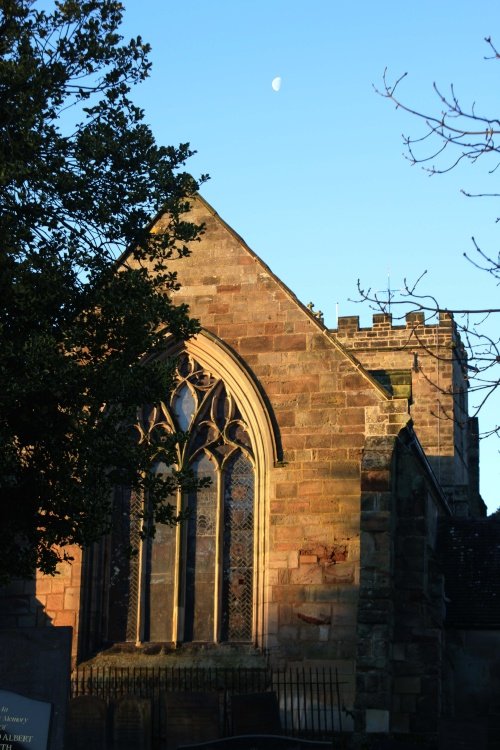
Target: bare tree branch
452,135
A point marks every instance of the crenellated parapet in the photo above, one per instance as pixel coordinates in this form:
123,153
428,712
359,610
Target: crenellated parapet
427,364
412,344
384,320
413,333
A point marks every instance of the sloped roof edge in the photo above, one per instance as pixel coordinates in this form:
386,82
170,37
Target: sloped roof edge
411,441
321,327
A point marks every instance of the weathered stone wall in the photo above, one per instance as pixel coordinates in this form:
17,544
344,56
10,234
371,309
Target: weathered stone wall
401,601
434,358
322,403
20,608
419,605
375,622
60,594
347,517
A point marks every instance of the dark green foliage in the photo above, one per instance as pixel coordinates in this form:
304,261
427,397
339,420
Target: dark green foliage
80,178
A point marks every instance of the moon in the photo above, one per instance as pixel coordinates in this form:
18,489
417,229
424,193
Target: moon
276,83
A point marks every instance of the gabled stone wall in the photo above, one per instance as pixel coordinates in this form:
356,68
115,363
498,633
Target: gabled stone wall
323,406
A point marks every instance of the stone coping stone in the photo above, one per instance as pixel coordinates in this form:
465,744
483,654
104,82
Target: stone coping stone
258,742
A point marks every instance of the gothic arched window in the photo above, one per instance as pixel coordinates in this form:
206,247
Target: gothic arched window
208,596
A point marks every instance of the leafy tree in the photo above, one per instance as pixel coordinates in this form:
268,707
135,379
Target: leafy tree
84,283
449,137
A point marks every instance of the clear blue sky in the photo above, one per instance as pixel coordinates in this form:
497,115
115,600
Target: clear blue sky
312,176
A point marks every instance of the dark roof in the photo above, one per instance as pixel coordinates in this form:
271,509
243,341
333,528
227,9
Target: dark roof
396,382
469,550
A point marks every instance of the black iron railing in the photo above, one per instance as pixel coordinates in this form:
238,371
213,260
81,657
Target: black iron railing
309,699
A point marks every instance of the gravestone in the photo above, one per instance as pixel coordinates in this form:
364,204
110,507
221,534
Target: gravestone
191,717
132,724
35,662
255,713
87,723
24,722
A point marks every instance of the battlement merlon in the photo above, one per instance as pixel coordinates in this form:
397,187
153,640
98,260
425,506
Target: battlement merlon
350,323
384,334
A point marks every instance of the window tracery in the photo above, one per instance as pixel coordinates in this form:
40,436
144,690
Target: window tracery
210,595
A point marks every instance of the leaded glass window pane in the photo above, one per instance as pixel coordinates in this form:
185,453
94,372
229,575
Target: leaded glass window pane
201,556
159,597
237,588
184,406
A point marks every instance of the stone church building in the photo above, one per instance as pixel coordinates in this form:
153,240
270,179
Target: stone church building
336,458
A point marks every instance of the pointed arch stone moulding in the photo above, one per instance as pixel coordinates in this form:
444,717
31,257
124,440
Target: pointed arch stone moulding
218,359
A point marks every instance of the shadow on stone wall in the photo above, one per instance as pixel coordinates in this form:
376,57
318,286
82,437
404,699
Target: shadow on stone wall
19,606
